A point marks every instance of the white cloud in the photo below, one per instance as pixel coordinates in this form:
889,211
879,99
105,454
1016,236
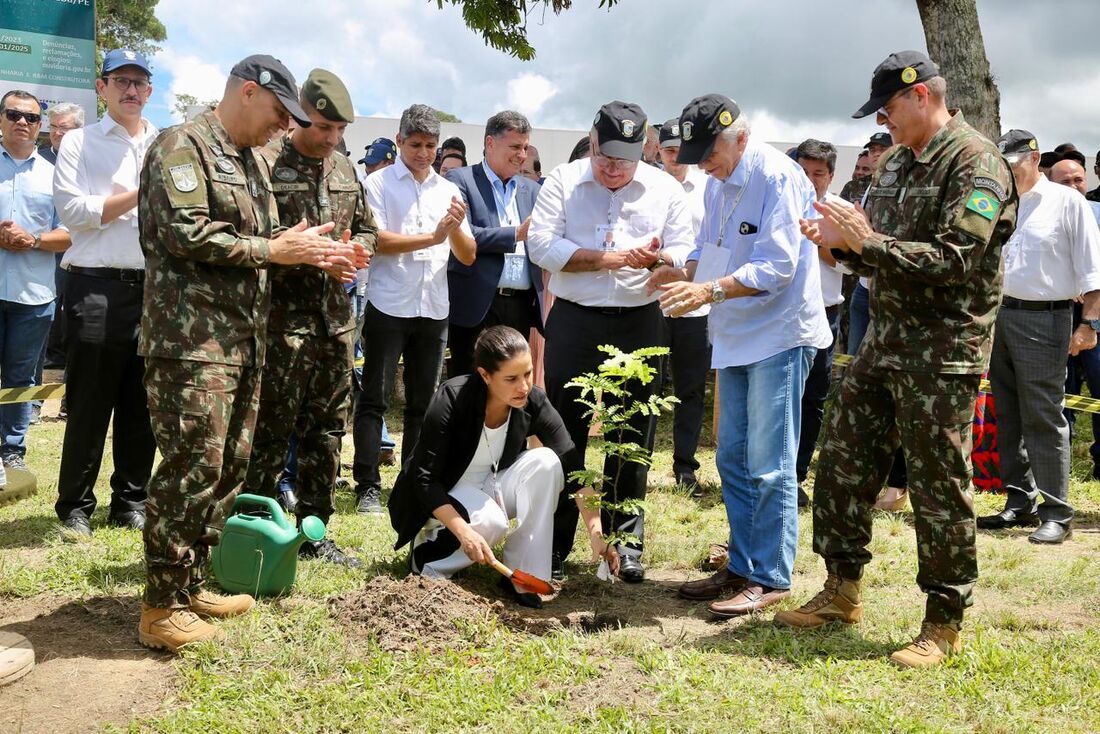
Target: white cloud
190,75
528,93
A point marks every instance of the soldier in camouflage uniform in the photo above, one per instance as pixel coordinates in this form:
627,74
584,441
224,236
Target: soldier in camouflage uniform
310,333
206,216
941,204
853,190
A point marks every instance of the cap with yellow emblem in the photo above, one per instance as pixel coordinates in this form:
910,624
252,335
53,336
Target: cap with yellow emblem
324,92
1017,144
899,71
701,122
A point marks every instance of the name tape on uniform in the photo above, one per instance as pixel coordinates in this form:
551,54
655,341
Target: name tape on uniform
1073,402
52,391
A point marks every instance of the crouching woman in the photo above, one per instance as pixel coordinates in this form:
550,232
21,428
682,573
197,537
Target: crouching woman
471,472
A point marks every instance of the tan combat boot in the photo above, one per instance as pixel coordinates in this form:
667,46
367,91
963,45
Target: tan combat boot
208,604
171,629
839,601
934,644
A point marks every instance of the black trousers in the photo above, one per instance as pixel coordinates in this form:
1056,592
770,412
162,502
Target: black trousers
421,341
515,309
573,336
689,358
103,383
813,399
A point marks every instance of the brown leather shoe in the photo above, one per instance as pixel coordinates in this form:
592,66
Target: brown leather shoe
208,604
717,584
934,644
839,601
171,629
751,598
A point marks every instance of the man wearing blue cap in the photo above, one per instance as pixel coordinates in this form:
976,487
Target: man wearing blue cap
96,194
380,153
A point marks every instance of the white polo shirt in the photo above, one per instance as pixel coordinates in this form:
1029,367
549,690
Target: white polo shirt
95,162
410,284
574,211
1054,254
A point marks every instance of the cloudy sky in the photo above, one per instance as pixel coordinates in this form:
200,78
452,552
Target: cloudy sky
797,67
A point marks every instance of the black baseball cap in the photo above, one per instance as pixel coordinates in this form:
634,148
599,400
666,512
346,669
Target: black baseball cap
701,122
620,130
882,139
669,134
1016,143
269,73
899,71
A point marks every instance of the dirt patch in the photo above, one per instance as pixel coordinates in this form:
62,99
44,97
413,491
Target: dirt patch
90,669
412,612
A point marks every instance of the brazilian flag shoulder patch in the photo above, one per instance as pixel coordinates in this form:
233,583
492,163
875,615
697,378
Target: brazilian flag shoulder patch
983,204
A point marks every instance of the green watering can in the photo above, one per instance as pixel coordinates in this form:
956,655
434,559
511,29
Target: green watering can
258,552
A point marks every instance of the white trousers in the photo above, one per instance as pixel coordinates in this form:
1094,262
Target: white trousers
530,488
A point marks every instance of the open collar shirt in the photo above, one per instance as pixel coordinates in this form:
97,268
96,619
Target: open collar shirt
1054,254
95,162
26,198
572,211
410,284
767,253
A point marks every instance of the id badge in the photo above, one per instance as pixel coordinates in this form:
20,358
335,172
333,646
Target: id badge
713,264
605,237
515,274
424,254
497,492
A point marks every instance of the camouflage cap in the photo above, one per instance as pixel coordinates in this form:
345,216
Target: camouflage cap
324,92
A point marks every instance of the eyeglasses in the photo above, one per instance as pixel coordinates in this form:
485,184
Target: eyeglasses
613,164
17,115
123,83
885,112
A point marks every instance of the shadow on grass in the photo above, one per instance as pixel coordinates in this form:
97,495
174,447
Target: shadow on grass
27,532
101,627
757,636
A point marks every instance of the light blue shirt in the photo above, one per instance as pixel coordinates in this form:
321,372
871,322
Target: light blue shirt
26,198
504,196
1095,205
767,253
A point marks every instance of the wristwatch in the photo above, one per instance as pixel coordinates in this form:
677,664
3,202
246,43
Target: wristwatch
657,263
717,293
1094,324
37,244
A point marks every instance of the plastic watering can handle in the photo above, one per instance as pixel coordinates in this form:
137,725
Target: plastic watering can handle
267,503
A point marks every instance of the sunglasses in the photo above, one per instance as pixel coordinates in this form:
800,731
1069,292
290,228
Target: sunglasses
16,115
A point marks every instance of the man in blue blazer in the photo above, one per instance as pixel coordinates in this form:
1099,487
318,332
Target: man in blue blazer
503,286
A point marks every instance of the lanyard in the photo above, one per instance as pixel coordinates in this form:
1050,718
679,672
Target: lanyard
494,482
729,213
419,218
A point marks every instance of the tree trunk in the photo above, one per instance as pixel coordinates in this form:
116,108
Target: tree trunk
954,39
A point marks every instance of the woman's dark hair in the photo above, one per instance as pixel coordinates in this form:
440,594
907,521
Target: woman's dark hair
496,345
581,149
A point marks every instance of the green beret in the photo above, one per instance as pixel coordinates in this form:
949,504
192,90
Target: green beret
324,92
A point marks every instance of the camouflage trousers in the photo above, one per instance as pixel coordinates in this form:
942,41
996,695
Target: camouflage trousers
306,390
930,416
203,416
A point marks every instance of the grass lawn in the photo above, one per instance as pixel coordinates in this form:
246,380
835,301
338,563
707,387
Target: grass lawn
1031,659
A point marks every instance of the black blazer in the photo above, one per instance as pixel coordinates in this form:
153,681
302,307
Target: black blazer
449,439
472,287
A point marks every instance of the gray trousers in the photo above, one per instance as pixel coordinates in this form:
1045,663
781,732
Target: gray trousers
1028,373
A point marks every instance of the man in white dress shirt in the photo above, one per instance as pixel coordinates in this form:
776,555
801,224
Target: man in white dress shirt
766,325
96,194
1052,258
689,348
421,221
599,225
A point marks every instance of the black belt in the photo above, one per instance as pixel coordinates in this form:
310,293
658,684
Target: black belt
126,275
832,311
513,291
1016,303
609,310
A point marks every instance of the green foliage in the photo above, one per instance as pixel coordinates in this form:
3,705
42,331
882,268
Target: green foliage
446,116
128,24
503,23
608,402
183,101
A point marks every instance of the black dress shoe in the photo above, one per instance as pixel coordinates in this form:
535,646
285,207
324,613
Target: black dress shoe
1008,519
288,499
1051,533
803,498
132,519
326,550
369,501
689,482
631,569
557,567
523,598
78,525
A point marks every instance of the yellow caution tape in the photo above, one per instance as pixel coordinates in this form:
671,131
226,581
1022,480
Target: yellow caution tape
52,391
1073,402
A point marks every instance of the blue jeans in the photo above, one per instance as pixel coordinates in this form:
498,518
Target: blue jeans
23,331
756,462
859,317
